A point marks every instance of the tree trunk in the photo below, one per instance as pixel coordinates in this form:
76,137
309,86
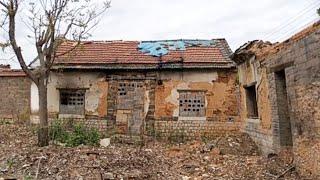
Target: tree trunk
43,133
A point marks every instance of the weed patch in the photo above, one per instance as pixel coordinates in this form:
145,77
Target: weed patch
75,135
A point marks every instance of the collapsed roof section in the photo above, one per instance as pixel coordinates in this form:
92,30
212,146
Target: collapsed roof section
250,49
160,48
262,49
145,54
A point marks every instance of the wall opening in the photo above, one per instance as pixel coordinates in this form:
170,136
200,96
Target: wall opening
130,106
72,101
192,103
285,133
251,100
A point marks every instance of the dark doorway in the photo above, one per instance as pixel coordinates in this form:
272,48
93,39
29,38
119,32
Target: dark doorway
251,101
283,109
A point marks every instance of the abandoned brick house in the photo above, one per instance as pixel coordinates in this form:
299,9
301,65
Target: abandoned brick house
150,85
198,87
14,94
280,96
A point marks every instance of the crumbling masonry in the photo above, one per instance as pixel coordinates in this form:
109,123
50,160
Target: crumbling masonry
161,88
286,79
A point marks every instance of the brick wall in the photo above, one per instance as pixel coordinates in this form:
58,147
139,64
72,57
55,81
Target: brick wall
221,98
195,128
301,62
220,94
287,80
15,97
101,125
261,137
293,88
259,128
145,99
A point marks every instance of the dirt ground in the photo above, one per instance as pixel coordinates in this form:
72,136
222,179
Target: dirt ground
227,157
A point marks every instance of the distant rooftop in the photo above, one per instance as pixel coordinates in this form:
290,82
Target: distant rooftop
6,71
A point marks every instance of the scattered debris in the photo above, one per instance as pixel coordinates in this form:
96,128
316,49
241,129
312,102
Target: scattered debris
105,142
215,159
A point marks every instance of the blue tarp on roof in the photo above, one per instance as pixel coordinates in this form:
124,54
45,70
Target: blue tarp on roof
160,48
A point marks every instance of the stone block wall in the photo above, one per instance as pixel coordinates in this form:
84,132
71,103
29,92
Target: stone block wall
300,60
251,73
15,97
287,79
102,125
262,137
195,129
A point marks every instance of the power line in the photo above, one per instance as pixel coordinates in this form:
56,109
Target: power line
302,21
290,20
292,31
309,7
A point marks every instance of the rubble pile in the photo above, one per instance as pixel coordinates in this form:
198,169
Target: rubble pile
229,157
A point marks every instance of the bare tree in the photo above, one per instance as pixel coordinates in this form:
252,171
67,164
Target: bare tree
51,22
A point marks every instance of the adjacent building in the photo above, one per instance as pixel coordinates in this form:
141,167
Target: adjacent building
280,96
14,94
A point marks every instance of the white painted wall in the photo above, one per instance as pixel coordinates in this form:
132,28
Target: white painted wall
88,80
34,103
34,98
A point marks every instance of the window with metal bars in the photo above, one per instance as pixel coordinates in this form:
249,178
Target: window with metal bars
72,101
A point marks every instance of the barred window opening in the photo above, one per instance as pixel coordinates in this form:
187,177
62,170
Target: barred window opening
72,101
192,103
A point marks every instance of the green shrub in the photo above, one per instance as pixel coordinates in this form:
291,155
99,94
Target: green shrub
93,137
57,132
78,134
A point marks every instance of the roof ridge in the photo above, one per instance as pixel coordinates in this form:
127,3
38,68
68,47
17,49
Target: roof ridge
160,40
182,39
98,41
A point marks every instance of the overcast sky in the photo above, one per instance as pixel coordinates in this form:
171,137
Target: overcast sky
236,20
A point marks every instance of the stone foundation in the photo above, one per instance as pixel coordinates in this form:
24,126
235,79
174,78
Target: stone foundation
261,138
195,129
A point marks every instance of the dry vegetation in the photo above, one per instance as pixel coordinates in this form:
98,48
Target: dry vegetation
221,158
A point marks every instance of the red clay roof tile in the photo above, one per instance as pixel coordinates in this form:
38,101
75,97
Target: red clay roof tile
12,73
127,52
